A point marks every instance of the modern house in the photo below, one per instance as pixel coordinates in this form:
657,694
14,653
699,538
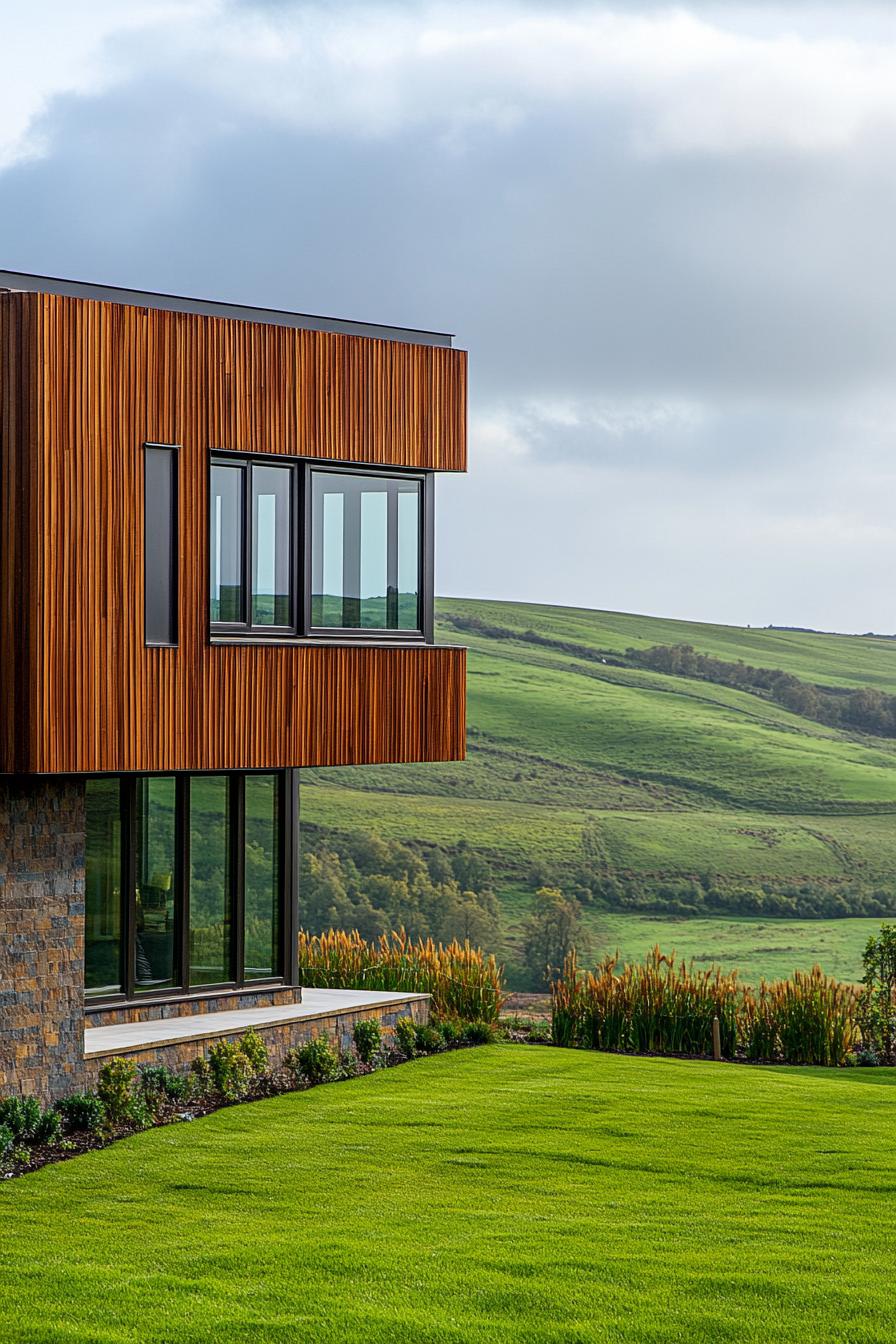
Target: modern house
216,567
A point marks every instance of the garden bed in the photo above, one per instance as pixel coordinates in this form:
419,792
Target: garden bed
129,1100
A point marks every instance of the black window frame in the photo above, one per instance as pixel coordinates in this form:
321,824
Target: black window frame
287,859
301,542
173,577
247,462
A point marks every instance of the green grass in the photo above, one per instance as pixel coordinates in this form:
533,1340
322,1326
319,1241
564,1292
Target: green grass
760,948
502,1194
555,740
671,777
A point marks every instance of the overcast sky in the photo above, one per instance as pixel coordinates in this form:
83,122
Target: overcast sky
665,234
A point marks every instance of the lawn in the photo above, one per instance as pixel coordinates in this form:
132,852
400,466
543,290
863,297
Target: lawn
506,1193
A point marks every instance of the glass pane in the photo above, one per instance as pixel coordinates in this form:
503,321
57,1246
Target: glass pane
262,927
210,904
409,558
226,544
102,889
160,545
328,509
365,551
155,936
374,579
271,586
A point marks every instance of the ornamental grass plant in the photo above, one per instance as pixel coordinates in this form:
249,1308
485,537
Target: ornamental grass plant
666,1007
465,984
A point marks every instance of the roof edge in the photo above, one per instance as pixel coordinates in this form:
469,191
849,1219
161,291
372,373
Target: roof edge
79,289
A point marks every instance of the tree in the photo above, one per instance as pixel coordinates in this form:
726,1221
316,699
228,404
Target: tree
553,929
879,998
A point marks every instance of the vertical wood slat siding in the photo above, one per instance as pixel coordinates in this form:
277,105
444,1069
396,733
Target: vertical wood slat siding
109,378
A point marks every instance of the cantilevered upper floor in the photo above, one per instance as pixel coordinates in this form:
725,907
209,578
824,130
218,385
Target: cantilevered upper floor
216,535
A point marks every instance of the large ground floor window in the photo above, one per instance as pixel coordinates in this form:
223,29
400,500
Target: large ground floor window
189,883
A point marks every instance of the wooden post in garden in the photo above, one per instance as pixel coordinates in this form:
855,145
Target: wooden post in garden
716,1039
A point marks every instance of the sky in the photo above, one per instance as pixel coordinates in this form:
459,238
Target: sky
665,234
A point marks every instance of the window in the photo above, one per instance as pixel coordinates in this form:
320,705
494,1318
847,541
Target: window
160,544
364,558
103,889
261,933
250,518
365,552
227,544
187,883
271,546
211,889
158,905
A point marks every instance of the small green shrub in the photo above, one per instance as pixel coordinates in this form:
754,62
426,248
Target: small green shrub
316,1061
21,1116
159,1084
255,1050
231,1070
451,1032
427,1040
115,1088
368,1039
478,1033
48,1127
201,1080
406,1036
27,1123
82,1112
7,1142
348,1065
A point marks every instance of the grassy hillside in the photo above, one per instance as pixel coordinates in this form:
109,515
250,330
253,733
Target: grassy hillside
511,1193
653,777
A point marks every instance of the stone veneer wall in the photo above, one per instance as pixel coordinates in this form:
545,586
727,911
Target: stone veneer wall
42,834
279,1039
225,1001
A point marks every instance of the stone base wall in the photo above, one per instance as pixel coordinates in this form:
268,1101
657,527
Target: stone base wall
225,1002
42,834
278,1039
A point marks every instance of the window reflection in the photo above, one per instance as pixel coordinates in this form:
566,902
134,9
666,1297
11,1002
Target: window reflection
365,552
102,888
262,881
210,893
271,546
156,896
226,544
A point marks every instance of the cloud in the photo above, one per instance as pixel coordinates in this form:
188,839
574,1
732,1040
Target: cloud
55,48
684,83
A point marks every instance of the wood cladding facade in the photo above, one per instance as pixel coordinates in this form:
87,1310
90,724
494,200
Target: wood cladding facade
83,385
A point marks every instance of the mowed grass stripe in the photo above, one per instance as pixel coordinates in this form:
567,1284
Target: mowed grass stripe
502,1194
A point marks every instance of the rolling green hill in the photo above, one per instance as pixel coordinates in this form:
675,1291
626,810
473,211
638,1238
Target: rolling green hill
581,762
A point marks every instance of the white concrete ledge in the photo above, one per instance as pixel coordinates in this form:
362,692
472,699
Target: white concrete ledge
316,1003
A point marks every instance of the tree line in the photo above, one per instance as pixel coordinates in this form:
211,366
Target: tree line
863,709
364,882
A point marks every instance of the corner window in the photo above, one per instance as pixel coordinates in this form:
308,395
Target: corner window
187,884
365,552
360,567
